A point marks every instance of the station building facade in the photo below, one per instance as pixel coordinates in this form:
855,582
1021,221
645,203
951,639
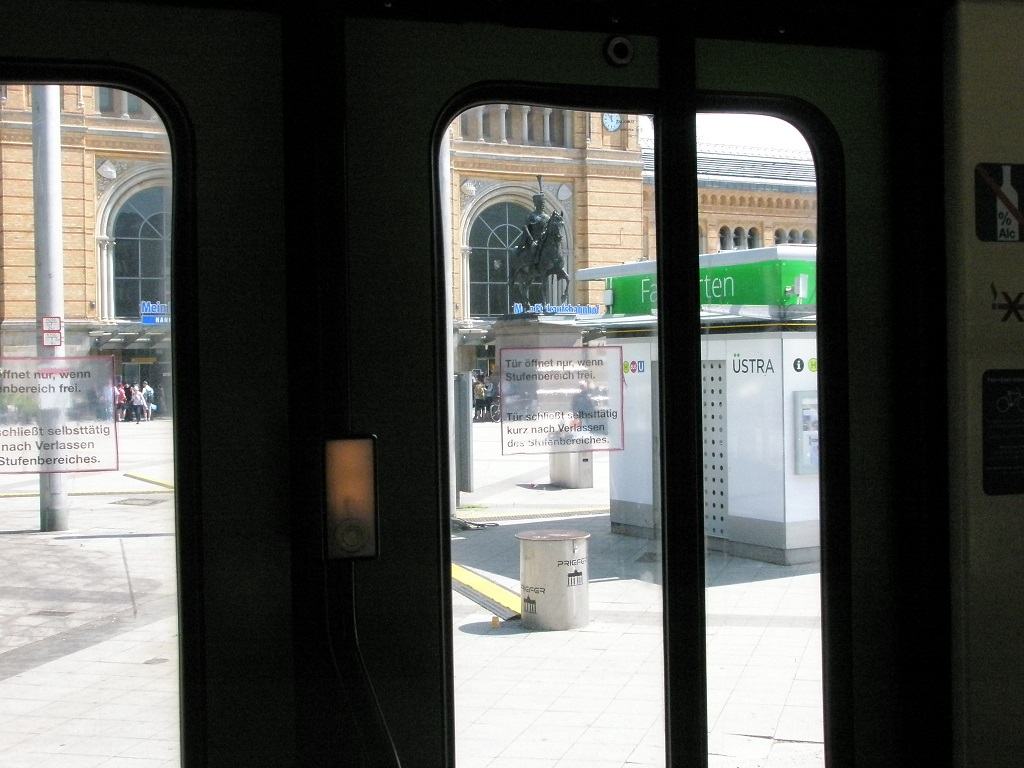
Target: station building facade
115,215
597,169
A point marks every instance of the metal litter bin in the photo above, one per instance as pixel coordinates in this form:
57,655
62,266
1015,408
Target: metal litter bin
554,580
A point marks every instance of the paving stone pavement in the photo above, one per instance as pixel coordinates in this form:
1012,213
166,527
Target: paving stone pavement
88,615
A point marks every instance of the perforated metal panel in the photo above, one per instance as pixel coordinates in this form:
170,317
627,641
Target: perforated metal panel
716,507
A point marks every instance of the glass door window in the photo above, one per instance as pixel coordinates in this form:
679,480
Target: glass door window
89,652
556,550
760,442
558,447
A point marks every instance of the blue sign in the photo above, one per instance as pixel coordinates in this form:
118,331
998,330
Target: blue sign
156,319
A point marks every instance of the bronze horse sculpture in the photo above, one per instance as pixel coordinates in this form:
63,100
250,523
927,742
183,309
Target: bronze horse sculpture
538,274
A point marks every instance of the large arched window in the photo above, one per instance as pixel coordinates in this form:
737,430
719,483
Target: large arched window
725,239
739,239
141,247
492,241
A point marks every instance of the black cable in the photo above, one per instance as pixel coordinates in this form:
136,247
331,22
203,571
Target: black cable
378,748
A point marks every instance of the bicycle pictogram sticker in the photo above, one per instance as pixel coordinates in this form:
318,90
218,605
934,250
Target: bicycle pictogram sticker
1013,398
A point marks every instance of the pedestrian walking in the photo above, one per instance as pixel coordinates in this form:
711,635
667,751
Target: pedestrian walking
138,402
147,395
121,400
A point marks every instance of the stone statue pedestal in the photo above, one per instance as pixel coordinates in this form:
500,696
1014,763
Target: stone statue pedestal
532,331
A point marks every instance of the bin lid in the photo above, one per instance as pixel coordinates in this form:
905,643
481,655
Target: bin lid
551,535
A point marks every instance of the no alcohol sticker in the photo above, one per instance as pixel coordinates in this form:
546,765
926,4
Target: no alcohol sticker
997,213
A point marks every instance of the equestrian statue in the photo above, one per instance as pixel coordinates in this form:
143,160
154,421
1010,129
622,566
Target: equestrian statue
538,264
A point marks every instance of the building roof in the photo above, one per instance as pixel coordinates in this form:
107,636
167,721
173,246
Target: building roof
754,168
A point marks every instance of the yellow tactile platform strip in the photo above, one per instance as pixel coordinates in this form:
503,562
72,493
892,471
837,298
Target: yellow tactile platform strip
502,602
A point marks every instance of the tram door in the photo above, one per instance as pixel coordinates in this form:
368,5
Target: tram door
884,600
485,84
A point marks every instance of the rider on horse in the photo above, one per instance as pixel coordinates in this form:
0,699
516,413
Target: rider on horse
539,254
536,227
